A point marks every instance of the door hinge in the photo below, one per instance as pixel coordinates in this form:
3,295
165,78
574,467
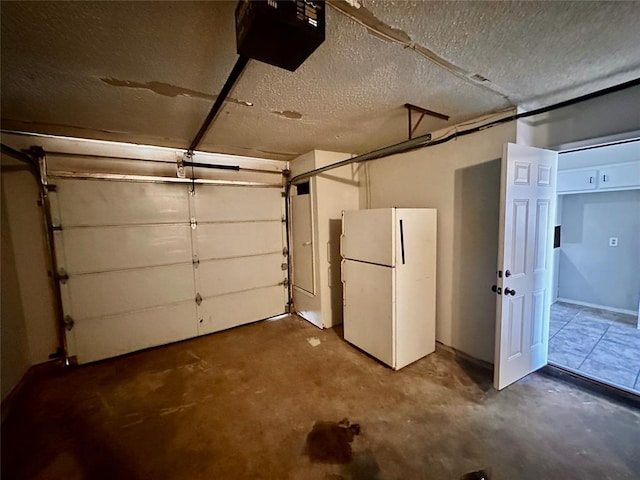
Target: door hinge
196,261
284,266
62,276
285,282
193,223
285,251
198,299
68,322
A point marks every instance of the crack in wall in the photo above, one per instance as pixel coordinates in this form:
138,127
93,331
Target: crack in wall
168,90
44,125
386,32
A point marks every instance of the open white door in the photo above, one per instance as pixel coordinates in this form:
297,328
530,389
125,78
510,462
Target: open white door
527,206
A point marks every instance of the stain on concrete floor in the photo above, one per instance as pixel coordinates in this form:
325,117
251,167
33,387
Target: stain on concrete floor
330,442
240,404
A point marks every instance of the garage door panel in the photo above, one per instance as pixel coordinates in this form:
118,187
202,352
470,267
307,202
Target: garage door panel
219,277
227,311
101,202
128,249
96,295
103,337
113,248
236,204
224,240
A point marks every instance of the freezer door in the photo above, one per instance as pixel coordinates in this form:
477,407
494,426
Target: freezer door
369,309
369,236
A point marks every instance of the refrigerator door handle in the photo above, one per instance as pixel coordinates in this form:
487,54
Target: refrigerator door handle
341,244
402,241
344,285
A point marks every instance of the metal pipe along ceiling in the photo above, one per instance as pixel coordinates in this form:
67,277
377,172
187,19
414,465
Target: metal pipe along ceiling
425,140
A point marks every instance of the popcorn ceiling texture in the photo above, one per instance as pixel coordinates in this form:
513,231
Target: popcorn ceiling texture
148,72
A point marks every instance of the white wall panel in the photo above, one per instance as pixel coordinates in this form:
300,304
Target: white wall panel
224,240
114,248
219,277
227,311
108,293
102,202
237,204
103,337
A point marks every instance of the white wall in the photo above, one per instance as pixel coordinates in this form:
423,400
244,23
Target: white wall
590,270
605,116
15,348
461,179
24,217
595,157
331,193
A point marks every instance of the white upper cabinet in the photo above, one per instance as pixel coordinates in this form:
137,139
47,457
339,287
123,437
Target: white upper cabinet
620,176
623,175
577,180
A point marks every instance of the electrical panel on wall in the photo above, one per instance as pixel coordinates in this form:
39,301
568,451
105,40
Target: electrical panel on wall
282,33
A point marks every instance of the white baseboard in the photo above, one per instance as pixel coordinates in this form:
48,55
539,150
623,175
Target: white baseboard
601,307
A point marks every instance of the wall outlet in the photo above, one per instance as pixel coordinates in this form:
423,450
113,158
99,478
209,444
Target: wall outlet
613,241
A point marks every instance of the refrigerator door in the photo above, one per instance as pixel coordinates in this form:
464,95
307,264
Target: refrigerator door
369,236
415,284
369,308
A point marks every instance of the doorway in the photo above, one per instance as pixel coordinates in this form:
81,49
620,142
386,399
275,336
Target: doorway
594,318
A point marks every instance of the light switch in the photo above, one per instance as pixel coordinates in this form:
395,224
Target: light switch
613,241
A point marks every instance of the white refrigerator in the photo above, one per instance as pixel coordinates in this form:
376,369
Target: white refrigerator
389,279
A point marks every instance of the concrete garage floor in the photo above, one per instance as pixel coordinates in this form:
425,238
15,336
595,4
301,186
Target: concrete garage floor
240,404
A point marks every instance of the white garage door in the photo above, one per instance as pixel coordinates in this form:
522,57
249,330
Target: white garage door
144,264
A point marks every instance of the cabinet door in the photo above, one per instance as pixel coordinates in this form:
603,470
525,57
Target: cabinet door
577,180
625,175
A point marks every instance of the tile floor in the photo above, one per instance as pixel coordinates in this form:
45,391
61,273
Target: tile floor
597,343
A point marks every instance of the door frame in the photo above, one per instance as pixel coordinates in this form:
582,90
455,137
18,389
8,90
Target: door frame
556,369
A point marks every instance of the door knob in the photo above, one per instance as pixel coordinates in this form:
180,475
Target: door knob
508,291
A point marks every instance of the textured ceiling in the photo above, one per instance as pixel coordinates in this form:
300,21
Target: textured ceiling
149,72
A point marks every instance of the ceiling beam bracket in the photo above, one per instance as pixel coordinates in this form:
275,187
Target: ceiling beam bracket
422,112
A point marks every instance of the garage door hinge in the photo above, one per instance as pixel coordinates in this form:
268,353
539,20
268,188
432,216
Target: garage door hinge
198,299
284,266
62,276
285,282
56,228
68,322
195,261
285,251
284,219
193,222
